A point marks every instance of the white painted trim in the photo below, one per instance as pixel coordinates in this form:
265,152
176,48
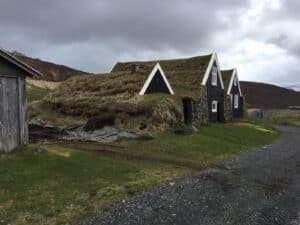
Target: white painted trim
234,74
214,58
214,102
150,77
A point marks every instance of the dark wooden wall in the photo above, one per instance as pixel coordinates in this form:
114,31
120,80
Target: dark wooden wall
215,93
237,113
157,85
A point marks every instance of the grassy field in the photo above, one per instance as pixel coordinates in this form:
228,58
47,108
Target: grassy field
284,117
281,117
67,182
36,93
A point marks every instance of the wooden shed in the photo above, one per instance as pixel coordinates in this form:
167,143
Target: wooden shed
13,104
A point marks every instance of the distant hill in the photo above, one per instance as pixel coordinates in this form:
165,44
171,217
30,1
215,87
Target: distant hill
258,95
261,95
50,71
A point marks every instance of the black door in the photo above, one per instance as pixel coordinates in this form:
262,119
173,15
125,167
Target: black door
187,111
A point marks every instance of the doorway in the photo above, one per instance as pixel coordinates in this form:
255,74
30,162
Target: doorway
187,111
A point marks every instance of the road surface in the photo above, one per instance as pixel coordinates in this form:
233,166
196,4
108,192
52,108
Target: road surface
261,187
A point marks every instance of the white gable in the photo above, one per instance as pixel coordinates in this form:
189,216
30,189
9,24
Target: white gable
213,60
151,76
234,76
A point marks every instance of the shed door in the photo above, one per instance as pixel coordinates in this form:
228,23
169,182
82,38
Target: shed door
9,113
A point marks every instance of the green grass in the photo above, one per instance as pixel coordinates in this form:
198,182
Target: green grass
281,117
211,144
69,182
62,185
36,93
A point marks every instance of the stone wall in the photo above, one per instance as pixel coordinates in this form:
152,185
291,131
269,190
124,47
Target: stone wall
200,108
228,114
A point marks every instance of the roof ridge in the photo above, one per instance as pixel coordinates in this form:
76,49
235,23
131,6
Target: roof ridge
163,60
5,54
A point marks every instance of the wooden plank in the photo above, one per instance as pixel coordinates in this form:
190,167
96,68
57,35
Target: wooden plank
10,116
22,110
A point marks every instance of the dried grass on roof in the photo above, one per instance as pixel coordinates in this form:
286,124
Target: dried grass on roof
198,63
226,75
184,75
115,94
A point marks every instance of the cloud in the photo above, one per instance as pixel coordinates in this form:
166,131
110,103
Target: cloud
92,35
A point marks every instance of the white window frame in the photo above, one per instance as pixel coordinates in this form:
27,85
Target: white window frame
214,76
236,101
235,81
214,106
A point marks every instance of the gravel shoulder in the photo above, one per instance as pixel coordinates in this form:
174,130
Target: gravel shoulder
260,187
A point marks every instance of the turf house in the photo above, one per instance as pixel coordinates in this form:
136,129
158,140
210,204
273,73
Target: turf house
146,95
13,125
233,89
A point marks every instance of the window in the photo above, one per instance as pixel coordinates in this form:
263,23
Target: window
236,101
214,106
235,81
214,79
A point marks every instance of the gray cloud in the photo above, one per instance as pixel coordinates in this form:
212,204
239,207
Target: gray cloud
92,35
147,24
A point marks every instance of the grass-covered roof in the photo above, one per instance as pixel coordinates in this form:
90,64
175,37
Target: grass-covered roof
198,63
184,75
226,75
117,93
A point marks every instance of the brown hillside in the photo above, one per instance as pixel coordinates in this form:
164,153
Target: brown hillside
261,95
50,71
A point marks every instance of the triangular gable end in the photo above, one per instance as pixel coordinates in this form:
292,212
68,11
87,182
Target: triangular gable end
234,76
28,69
150,78
214,59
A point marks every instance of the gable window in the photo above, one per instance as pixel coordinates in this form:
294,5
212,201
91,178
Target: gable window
235,81
214,78
236,101
214,106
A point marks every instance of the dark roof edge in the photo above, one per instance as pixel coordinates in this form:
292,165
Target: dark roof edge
32,72
164,60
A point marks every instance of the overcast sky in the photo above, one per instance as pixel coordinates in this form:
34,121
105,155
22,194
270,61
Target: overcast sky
259,37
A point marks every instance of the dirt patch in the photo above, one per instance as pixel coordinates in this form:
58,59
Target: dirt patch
40,134
100,121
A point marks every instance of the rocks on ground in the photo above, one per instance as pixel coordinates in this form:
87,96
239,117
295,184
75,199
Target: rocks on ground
40,131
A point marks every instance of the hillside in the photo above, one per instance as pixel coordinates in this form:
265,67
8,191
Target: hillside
261,95
50,71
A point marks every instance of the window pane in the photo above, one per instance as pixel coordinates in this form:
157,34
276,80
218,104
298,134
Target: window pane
214,106
236,101
214,79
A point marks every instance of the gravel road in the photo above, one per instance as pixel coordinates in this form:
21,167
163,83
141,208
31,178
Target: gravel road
261,187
